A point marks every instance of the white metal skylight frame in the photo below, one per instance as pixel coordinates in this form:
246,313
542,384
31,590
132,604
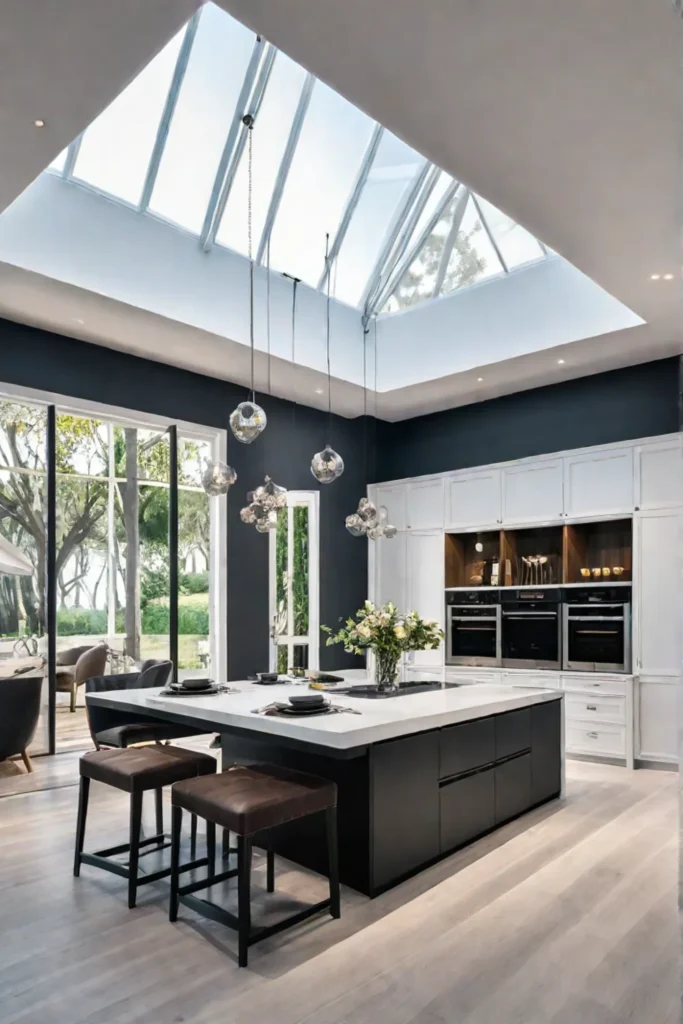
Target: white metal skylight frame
398,249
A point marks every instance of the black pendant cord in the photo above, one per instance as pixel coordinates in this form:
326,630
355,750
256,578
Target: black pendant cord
50,594
327,339
173,549
295,282
248,120
366,331
268,313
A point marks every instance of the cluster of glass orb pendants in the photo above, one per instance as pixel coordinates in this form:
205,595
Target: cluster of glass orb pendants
263,507
368,522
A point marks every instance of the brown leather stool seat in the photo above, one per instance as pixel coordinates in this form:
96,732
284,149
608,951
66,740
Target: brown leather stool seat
136,770
247,801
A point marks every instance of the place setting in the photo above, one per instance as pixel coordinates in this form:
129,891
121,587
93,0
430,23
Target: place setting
199,687
303,705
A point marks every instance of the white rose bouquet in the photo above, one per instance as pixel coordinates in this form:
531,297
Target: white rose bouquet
387,633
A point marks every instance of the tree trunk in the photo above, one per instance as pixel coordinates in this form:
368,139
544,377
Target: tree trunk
132,528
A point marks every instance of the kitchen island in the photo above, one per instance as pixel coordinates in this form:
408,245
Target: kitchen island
418,775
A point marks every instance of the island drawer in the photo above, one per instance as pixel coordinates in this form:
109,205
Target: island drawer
513,733
467,808
513,788
467,746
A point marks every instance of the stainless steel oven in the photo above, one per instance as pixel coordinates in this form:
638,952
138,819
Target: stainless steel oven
596,629
531,628
473,627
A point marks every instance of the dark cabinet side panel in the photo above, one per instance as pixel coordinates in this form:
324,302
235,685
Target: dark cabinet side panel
513,733
467,809
546,746
404,805
513,788
467,746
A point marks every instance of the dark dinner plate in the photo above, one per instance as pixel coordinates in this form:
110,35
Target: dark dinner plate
301,709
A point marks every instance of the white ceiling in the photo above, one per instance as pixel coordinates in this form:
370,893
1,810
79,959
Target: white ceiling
563,115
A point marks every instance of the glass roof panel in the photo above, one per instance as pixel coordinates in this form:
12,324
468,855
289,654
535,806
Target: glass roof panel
328,156
115,149
393,170
270,133
517,246
473,257
419,280
206,105
59,161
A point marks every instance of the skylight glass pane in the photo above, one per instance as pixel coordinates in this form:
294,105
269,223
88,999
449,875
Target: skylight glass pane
116,148
443,182
419,280
333,139
473,257
393,170
206,105
59,161
270,133
516,244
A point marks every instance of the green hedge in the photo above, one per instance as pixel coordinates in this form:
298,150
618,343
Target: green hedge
192,620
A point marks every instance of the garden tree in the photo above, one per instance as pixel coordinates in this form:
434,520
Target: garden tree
465,265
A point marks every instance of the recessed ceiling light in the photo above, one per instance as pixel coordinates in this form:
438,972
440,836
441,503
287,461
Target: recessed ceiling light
668,277
77,320
561,362
655,277
480,380
39,123
319,391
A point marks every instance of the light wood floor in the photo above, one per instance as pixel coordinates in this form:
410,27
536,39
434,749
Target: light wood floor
567,917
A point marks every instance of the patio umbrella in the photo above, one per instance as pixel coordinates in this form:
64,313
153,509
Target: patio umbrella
13,561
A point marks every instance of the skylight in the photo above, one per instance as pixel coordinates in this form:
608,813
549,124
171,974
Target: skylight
401,231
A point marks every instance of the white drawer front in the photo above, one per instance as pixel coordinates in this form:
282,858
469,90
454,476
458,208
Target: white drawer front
473,675
595,684
599,708
541,680
589,738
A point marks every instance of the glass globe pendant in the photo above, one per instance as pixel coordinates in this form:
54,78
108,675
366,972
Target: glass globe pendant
369,522
327,465
218,478
263,507
247,421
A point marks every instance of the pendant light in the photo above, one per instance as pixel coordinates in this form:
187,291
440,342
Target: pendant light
249,420
327,465
369,521
218,478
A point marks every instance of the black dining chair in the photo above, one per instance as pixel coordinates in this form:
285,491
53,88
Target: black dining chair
19,713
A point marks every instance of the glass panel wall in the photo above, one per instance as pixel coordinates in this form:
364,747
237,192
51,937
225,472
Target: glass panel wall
294,585
194,561
23,536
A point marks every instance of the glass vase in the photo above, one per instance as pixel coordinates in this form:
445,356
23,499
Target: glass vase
386,671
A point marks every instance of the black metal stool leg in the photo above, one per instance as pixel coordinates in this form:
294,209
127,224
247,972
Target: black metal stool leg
226,843
211,848
80,823
333,861
270,864
193,835
135,822
176,826
243,897
159,810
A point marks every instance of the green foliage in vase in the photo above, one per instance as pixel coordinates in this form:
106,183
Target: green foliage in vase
386,630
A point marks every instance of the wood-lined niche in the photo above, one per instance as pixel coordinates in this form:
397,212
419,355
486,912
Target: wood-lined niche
602,546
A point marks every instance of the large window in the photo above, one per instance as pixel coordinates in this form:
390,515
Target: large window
294,585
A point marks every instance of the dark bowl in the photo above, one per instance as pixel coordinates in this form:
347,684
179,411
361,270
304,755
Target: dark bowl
195,684
307,700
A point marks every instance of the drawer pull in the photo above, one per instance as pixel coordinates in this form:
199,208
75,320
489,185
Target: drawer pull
591,707
592,735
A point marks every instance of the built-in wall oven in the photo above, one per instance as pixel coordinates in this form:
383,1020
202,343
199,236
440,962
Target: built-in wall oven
530,632
473,627
597,629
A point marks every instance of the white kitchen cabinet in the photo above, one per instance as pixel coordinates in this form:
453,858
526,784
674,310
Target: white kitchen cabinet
659,474
424,505
534,680
393,498
657,720
474,499
599,483
658,593
533,492
391,582
425,589
466,674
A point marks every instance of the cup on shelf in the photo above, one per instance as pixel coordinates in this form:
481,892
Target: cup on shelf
606,571
585,572
596,573
618,570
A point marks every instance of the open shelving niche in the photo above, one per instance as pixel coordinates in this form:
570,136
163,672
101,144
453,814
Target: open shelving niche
569,553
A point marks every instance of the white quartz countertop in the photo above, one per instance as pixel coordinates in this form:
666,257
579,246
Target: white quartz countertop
378,719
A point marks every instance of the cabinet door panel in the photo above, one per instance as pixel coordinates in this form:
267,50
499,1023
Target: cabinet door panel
474,499
513,788
599,483
425,572
659,475
393,498
546,745
467,809
424,505
391,570
658,593
658,718
466,746
513,732
533,493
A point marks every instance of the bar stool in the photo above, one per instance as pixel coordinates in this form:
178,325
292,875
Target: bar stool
136,770
247,801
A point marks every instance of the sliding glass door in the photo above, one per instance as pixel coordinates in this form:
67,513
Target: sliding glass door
294,585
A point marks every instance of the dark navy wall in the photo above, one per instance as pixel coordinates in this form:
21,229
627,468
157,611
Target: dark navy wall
638,401
50,362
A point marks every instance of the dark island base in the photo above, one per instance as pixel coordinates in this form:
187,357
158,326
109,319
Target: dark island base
405,803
